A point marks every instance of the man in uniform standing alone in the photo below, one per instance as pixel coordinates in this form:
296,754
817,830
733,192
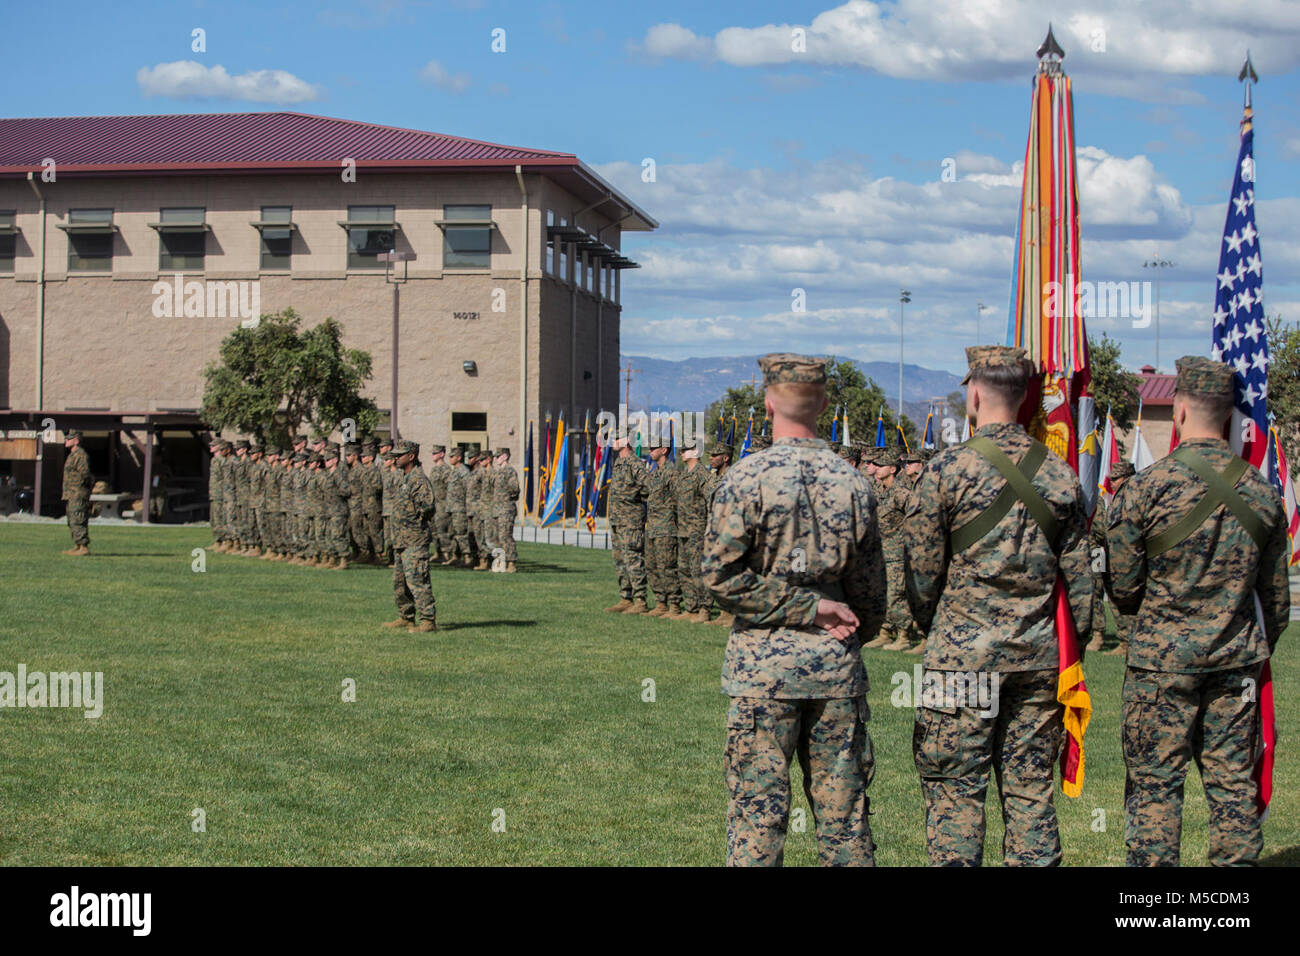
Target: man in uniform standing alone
412,503
793,550
992,525
77,482
1198,553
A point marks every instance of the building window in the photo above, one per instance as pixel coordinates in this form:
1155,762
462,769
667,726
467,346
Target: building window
550,257
467,246
90,240
371,230
277,241
182,239
8,239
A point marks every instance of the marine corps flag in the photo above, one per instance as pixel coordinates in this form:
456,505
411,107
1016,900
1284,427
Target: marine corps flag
1046,320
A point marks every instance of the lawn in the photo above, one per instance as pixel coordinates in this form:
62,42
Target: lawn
223,690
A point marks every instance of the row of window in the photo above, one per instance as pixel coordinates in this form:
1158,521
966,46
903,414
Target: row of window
183,237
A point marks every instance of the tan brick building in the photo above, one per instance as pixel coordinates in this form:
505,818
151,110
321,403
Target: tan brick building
509,309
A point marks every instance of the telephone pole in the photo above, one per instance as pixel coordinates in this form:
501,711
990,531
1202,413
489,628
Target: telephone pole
627,386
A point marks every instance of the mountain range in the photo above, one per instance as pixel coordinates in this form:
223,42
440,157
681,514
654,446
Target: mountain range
692,384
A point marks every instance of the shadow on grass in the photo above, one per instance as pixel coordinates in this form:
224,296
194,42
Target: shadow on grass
464,625
137,554
1289,856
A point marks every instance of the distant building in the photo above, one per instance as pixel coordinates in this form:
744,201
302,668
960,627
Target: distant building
509,308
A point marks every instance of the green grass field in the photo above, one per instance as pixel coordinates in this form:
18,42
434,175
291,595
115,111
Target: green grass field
223,691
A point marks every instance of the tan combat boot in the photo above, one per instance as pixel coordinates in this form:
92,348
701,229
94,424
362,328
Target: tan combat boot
880,640
725,619
661,610
341,564
916,649
618,608
699,617
425,627
510,568
677,614
400,622
897,645
638,607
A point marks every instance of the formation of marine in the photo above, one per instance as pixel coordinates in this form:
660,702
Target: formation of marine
323,505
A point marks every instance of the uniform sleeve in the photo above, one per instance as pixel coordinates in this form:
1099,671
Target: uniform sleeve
1126,549
512,486
1271,582
761,601
1076,563
421,494
925,549
864,576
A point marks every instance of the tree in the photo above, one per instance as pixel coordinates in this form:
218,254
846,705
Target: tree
1284,379
846,387
273,378
1112,387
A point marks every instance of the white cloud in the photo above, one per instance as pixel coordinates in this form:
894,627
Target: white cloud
1125,49
735,242
186,80
435,74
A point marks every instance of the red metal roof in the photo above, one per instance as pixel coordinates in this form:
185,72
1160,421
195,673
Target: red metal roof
1156,388
235,140
275,143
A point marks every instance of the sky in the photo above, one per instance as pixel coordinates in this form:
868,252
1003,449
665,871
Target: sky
782,160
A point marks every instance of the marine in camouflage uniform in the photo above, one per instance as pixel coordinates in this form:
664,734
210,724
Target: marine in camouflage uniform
270,501
983,595
351,468
215,501
284,502
505,506
793,551
1120,473
237,495
457,482
369,489
387,476
256,497
314,498
720,453
77,482
484,532
443,549
626,509
661,535
411,505
1210,598
898,632
692,490
335,492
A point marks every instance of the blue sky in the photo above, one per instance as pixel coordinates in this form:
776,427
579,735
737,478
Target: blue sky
775,169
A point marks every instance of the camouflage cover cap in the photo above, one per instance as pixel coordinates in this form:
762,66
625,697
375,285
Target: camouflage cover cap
299,457
221,444
241,443
255,449
1203,376
888,456
404,447
720,448
299,440
388,455
385,441
455,452
72,433
272,451
912,458
314,458
782,367
848,453
761,441
501,451
437,449
369,448
988,356
1120,470
351,448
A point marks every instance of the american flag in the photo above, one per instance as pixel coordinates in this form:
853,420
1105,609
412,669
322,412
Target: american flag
1239,332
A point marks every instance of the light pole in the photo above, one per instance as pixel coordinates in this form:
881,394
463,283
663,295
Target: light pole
390,260
1157,263
979,314
904,297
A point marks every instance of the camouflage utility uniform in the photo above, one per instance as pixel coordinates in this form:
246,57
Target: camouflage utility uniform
692,489
411,504
1196,648
77,482
788,528
626,508
986,608
661,536
505,505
